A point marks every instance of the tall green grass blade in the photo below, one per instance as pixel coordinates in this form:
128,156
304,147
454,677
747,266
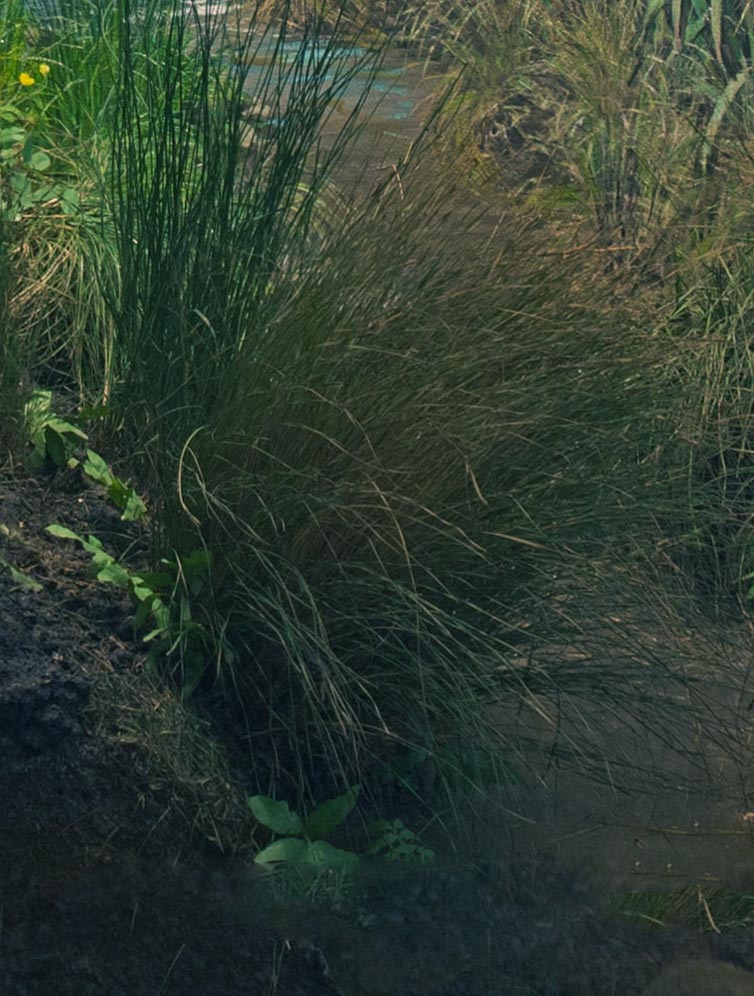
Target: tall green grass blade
723,105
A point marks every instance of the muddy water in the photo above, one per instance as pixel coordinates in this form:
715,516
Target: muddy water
389,95
392,101
652,827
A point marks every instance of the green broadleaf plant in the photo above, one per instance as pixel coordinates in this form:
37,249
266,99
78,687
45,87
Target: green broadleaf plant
57,441
121,494
24,187
54,439
163,606
393,840
303,844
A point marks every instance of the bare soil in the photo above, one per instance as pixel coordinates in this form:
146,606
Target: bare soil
93,899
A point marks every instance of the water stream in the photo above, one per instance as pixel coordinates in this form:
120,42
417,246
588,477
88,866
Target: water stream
389,95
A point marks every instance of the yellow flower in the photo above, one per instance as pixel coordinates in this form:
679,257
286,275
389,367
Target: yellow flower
43,69
25,80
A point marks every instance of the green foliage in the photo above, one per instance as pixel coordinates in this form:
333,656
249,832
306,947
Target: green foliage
720,32
164,601
121,494
170,598
12,361
387,454
303,849
723,29
330,814
393,840
55,440
307,847
626,110
104,566
206,226
60,319
81,47
276,816
27,180
14,26
709,535
21,167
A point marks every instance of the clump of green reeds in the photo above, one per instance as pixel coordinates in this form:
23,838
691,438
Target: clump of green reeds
380,441
712,535
605,114
384,436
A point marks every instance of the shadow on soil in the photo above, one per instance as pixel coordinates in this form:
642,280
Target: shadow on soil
102,893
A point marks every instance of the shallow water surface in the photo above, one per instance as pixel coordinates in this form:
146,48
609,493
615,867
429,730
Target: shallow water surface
389,99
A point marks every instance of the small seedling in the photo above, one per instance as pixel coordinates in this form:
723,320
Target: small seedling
313,869
163,602
54,439
58,442
393,840
301,842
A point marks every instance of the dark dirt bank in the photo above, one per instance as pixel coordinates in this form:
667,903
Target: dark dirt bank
106,889
93,899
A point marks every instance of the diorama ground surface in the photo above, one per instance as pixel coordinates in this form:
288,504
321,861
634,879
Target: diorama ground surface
111,883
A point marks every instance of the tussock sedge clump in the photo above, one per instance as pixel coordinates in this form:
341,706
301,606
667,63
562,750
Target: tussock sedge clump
376,459
621,121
